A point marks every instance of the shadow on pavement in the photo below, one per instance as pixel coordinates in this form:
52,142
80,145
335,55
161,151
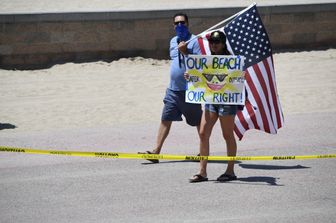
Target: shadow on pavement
255,180
188,161
6,126
271,181
271,167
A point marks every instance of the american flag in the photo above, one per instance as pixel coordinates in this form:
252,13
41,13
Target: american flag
246,36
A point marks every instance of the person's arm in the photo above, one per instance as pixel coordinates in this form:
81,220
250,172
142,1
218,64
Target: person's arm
194,47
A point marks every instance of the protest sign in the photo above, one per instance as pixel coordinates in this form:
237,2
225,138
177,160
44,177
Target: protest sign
215,79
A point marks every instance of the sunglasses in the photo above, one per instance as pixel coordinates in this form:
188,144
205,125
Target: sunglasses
178,22
220,77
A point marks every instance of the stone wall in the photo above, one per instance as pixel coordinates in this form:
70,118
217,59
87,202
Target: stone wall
32,41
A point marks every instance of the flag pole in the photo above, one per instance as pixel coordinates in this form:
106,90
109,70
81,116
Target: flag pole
231,17
223,21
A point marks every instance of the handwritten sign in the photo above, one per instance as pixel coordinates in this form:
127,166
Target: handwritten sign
215,79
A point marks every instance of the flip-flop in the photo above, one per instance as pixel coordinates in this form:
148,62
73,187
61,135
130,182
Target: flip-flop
226,177
151,160
198,178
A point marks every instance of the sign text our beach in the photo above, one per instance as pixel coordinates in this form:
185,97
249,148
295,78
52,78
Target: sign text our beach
215,79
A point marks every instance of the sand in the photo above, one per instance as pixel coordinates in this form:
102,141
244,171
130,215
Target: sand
130,91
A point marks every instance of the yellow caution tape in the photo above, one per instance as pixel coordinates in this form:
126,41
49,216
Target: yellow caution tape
116,155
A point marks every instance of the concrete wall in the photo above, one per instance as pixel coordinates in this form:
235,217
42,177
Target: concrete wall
31,41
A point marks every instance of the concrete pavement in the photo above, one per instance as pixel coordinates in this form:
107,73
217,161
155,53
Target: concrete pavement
44,188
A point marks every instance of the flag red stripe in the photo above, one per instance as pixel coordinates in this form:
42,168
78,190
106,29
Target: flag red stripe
242,120
250,110
201,44
258,101
262,82
274,95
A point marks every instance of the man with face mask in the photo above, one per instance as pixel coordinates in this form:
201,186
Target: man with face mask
174,100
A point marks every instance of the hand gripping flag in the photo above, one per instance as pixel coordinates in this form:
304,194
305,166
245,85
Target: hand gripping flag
246,36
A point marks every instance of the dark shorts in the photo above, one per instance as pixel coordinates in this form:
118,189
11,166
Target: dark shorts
222,109
175,106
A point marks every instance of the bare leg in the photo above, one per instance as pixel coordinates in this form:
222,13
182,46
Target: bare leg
207,123
227,125
162,135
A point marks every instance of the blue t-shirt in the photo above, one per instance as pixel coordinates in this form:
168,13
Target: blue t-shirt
177,81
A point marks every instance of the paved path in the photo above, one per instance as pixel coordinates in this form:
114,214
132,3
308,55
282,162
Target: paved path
44,188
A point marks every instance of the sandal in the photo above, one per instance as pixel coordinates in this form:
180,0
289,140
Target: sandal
226,177
198,178
151,160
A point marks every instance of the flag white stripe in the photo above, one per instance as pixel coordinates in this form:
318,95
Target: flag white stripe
254,104
248,119
262,96
273,121
239,126
270,62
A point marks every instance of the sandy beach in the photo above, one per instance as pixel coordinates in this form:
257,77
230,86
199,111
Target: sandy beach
130,91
